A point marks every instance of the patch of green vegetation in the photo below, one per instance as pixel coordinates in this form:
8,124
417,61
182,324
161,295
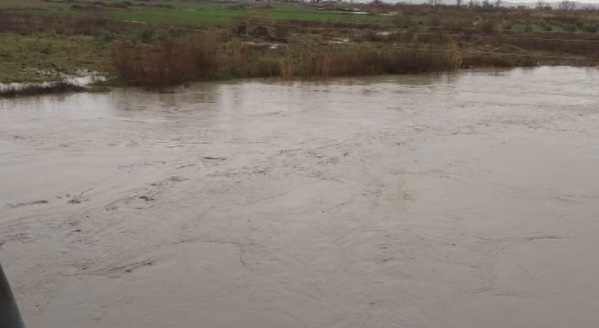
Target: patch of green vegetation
45,56
548,26
203,15
187,16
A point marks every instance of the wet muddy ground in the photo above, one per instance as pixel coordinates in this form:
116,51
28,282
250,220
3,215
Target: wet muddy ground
467,200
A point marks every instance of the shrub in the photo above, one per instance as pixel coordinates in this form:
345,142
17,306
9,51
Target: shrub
146,34
399,19
590,28
269,67
104,34
47,49
570,28
528,27
489,26
167,63
418,60
311,64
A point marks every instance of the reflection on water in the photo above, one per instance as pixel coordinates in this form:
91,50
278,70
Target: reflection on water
237,93
445,200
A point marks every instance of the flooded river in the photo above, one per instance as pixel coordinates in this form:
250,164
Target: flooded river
466,200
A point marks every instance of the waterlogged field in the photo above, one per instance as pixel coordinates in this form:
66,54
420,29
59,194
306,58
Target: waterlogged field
460,200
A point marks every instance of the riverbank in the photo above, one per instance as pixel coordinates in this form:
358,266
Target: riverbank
176,43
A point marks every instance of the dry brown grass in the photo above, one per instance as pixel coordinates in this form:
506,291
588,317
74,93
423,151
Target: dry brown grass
560,43
313,63
167,63
32,23
174,62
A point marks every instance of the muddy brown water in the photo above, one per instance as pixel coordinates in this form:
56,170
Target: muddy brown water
466,200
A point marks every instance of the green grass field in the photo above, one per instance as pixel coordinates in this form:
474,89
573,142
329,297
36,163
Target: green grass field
203,14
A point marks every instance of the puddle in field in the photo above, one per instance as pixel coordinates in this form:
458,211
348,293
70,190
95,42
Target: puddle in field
466,200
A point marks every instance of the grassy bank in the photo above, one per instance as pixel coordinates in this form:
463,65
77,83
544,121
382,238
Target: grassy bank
201,57
46,56
161,43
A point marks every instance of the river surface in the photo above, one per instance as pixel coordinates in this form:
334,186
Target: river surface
465,200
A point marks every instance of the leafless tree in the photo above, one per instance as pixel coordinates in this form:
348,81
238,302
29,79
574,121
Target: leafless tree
567,5
474,4
540,5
